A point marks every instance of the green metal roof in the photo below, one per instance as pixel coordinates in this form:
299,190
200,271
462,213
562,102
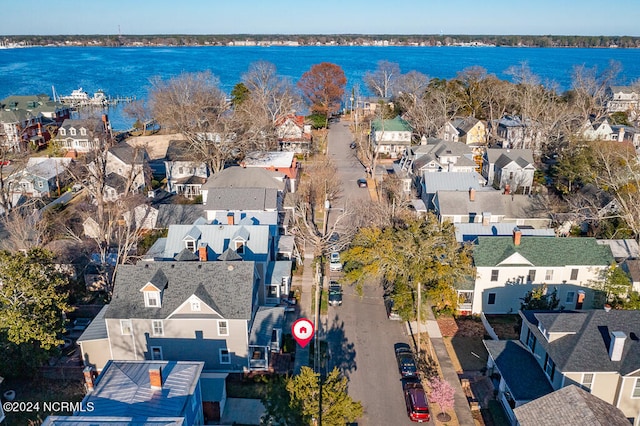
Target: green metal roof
542,251
396,124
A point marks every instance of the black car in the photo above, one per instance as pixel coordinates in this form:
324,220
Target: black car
362,183
406,362
335,294
352,145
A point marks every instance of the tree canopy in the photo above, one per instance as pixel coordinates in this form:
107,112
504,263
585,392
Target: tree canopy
300,399
323,87
33,298
407,254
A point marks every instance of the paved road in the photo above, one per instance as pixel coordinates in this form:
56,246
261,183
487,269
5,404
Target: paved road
360,335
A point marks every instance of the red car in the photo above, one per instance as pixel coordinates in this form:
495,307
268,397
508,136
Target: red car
416,400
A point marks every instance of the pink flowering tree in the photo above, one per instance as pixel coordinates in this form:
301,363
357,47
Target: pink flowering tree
442,393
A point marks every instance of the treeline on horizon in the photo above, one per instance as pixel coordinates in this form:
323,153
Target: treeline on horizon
334,39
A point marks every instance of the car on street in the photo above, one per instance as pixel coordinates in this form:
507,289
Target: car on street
335,294
416,401
352,145
406,361
362,183
335,264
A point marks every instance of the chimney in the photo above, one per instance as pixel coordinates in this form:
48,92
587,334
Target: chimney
88,378
616,345
517,236
230,218
155,378
507,189
202,252
472,194
486,218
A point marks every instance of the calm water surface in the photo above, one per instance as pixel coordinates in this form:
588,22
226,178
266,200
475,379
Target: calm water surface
127,71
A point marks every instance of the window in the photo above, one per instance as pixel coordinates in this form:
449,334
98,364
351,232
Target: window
587,381
152,299
72,132
125,327
494,274
40,184
225,356
158,329
574,274
223,328
156,353
570,296
549,367
549,275
492,299
240,247
195,305
531,341
531,277
272,291
83,132
63,132
636,389
190,245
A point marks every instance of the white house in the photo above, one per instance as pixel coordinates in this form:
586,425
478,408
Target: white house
185,176
509,168
509,267
83,135
390,136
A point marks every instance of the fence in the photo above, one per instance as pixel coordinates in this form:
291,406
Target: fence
490,331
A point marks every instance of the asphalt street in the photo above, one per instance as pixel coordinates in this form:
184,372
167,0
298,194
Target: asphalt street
360,336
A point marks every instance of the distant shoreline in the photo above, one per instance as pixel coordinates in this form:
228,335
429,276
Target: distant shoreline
268,40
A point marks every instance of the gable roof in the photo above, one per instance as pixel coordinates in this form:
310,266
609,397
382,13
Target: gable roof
463,125
178,214
519,368
395,124
514,206
542,251
241,177
494,154
586,346
128,154
471,231
277,159
248,199
179,150
227,286
46,167
266,320
451,181
569,405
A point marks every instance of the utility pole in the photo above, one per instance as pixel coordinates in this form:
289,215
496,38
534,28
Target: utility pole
419,319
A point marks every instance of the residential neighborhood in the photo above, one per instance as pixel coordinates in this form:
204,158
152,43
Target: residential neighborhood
165,269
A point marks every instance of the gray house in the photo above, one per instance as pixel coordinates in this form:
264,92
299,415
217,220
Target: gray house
596,350
509,169
42,177
160,392
199,311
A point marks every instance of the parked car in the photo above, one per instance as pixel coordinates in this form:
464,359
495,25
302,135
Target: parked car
334,262
362,183
335,294
406,362
416,400
352,145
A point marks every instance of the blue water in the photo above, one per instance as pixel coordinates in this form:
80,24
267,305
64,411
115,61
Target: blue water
127,71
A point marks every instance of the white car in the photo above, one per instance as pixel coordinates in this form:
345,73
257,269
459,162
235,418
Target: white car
334,262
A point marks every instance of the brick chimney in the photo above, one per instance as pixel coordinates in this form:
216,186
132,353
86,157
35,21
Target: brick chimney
155,378
89,377
486,218
202,252
616,345
230,219
472,194
517,236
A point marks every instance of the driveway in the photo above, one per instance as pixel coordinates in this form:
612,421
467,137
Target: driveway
360,336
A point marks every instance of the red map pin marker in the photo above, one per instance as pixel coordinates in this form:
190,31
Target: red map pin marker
302,331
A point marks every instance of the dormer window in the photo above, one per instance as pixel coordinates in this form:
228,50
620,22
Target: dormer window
72,132
190,245
83,132
63,132
152,299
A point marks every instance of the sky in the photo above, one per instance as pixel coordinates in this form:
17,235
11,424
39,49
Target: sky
521,17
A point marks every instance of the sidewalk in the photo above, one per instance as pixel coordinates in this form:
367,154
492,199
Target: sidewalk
305,282
442,359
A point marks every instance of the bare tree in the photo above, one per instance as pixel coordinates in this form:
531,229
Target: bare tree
411,87
139,111
193,105
589,89
381,82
